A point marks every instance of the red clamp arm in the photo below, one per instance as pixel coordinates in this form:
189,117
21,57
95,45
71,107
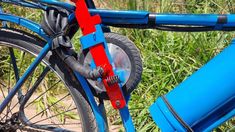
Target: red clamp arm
88,25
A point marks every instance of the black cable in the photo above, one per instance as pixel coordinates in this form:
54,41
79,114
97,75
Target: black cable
185,29
173,27
178,118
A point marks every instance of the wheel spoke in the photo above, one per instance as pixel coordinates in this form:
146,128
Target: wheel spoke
3,93
11,109
55,115
43,93
30,81
52,117
35,86
4,85
49,107
21,62
64,124
4,115
8,90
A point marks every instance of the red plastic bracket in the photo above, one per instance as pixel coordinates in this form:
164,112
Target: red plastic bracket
87,23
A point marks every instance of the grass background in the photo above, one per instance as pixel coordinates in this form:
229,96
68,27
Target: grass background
168,57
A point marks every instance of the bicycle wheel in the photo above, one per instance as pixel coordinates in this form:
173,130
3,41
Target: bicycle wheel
58,102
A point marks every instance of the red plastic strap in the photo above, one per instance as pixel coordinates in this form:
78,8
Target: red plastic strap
87,24
85,20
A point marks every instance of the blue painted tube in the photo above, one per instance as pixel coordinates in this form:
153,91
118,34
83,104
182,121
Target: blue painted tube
59,3
121,17
34,27
200,97
187,19
223,119
126,119
194,19
117,17
98,114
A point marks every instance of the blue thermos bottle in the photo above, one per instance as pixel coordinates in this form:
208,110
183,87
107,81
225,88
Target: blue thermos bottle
203,101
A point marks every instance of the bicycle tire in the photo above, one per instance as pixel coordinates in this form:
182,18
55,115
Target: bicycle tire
32,44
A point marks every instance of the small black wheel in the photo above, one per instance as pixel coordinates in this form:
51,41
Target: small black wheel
126,58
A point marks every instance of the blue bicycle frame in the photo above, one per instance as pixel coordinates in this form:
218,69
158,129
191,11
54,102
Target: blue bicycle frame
170,111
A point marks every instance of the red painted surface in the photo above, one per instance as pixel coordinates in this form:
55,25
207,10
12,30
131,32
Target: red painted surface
87,24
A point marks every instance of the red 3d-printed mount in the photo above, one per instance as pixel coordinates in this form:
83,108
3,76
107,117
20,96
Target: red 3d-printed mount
88,23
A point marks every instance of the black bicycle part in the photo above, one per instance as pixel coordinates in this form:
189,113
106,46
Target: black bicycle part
55,23
90,4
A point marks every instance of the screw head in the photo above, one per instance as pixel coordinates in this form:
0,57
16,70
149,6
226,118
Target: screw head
118,103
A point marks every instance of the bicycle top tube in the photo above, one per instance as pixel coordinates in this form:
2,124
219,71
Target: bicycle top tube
123,18
58,3
145,19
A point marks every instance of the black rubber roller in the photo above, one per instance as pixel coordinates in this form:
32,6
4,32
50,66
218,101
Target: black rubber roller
126,57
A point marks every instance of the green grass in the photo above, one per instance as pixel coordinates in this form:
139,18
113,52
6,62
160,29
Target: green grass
168,57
